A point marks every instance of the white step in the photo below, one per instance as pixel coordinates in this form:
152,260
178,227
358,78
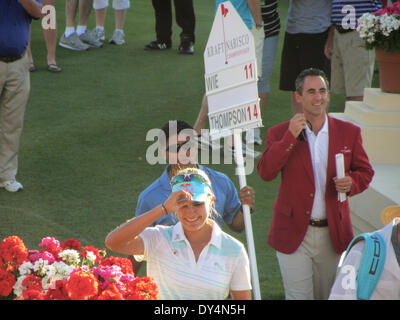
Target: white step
377,99
383,191
362,113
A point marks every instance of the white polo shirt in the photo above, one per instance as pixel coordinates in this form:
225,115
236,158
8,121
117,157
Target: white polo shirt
223,264
318,145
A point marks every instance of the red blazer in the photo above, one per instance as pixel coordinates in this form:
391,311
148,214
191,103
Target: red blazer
292,208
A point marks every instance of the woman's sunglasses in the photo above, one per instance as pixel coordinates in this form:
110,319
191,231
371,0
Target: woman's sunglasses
194,177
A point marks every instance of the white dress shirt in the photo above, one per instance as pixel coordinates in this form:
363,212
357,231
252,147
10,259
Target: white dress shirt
318,145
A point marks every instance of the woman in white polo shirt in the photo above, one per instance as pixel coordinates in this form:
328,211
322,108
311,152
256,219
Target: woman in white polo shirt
194,259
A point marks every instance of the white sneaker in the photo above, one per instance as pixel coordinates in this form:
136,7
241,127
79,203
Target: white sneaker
11,185
118,38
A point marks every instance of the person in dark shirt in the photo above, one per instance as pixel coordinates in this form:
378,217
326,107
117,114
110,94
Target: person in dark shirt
15,20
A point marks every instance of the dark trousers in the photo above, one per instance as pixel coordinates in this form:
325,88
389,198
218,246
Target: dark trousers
184,15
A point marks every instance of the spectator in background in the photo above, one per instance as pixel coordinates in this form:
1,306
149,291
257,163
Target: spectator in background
271,20
15,20
50,37
120,8
307,28
185,18
81,39
352,66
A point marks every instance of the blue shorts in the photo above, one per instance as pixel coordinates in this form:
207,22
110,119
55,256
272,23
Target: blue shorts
268,58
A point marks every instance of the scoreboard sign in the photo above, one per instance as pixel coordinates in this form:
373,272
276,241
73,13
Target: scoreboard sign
231,75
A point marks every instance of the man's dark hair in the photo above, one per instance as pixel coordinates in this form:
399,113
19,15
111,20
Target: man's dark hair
180,125
310,72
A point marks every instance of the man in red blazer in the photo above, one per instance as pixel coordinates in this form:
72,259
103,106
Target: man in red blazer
310,228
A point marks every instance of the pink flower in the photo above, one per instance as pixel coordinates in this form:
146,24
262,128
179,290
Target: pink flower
107,275
381,12
49,241
393,9
35,255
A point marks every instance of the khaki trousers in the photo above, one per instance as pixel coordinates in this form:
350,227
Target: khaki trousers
310,271
14,93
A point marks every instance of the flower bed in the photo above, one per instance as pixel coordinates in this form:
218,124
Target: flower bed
65,271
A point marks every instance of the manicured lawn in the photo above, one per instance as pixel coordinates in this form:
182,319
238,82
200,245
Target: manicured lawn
83,148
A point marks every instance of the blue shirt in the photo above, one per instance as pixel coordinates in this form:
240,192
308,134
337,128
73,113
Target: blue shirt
243,10
227,202
360,7
14,28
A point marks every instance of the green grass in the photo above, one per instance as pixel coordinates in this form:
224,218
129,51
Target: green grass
82,156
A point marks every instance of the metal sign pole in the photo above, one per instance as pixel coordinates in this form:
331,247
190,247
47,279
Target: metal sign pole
246,214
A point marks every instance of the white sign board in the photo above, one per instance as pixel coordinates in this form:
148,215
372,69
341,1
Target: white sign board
231,75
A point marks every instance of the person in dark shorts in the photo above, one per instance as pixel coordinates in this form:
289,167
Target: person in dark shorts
307,27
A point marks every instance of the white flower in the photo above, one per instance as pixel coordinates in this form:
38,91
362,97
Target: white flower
41,267
70,256
25,268
91,257
57,271
18,288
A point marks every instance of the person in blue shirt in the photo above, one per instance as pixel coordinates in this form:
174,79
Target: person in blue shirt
227,204
15,20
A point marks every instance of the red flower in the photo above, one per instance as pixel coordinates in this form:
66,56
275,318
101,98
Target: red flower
82,285
71,244
58,293
32,282
124,263
141,289
32,294
111,293
13,251
99,254
7,281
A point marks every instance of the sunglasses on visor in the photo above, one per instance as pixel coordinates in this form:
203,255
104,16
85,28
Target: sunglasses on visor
194,177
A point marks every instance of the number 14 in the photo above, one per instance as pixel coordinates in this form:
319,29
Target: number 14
255,111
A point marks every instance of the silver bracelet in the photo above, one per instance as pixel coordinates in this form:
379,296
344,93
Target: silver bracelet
164,209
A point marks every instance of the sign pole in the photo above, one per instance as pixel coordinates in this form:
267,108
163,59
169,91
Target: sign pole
246,213
232,96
